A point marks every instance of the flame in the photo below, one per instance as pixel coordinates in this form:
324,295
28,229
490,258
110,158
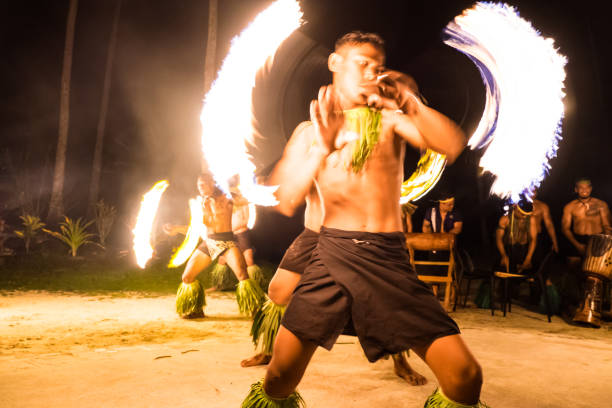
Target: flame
252,216
226,115
523,75
428,172
144,222
196,230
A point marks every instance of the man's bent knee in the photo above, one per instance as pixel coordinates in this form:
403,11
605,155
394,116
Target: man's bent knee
279,382
279,294
467,376
282,285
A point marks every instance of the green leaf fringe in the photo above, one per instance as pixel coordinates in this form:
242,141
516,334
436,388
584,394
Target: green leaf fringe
223,278
258,398
439,400
266,323
256,274
190,298
367,123
249,296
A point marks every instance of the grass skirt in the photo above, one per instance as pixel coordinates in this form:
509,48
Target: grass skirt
439,400
266,323
190,300
258,398
223,278
256,273
249,296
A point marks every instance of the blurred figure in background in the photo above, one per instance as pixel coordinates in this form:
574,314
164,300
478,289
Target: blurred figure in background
443,217
516,238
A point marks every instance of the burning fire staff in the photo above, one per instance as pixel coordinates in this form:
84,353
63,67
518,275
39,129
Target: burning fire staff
220,240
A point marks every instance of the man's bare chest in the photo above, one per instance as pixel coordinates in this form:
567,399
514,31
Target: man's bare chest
586,211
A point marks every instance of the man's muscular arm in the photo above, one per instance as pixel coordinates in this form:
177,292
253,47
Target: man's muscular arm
420,125
294,172
550,227
566,227
457,227
605,218
533,239
309,146
499,235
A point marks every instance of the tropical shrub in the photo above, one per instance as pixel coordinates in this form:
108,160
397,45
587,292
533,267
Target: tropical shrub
73,233
31,225
105,217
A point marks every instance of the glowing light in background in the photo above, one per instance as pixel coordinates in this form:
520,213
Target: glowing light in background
523,74
144,222
226,115
252,216
196,230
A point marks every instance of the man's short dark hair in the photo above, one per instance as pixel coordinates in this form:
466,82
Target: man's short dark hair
360,37
445,195
583,180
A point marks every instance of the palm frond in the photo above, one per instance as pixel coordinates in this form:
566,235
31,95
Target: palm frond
72,233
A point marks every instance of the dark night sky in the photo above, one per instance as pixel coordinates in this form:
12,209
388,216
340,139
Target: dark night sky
153,122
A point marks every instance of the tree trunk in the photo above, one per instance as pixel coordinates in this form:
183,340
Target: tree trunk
56,205
94,187
210,65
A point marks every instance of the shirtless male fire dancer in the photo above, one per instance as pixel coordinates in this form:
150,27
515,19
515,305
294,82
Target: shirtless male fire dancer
241,213
291,269
220,240
359,278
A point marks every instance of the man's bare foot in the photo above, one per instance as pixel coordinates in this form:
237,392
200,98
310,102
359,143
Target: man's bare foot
403,370
194,315
211,289
256,360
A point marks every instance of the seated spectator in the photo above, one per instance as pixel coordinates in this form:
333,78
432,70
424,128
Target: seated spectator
583,217
443,217
516,238
407,210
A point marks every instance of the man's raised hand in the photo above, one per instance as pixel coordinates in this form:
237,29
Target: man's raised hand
399,88
327,118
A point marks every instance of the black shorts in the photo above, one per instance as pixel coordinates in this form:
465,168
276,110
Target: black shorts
297,256
203,248
365,280
244,240
571,250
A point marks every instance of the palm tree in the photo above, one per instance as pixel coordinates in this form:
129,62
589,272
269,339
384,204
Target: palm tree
56,205
210,66
94,186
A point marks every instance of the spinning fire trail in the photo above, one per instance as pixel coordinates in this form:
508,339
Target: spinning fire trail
523,74
520,127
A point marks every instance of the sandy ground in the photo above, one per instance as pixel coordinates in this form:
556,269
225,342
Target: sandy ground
76,351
